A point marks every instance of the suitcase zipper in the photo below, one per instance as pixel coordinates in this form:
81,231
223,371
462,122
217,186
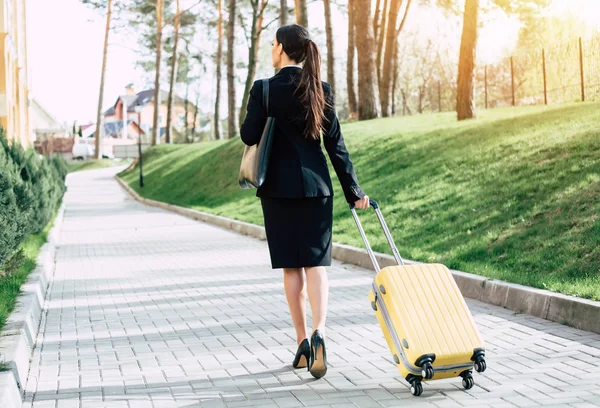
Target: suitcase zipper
412,368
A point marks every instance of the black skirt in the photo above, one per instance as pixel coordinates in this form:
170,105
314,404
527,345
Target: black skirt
298,231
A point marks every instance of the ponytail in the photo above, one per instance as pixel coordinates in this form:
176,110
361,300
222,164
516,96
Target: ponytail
312,95
297,44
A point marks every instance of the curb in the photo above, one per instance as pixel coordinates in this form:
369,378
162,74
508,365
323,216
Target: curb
21,329
568,310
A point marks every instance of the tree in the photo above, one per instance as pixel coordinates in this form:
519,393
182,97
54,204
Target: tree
184,23
99,123
391,39
258,12
380,38
159,27
173,73
465,106
283,13
232,126
301,13
350,63
395,64
390,42
218,63
143,16
376,19
330,47
525,9
368,97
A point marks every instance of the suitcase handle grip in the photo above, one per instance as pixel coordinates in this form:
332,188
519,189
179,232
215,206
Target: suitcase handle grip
386,231
372,202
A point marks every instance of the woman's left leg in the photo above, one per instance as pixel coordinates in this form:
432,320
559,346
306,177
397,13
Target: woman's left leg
318,295
293,282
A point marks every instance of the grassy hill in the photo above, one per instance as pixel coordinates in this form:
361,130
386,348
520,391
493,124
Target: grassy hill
513,195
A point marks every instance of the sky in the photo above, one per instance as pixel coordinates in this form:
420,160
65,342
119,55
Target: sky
65,52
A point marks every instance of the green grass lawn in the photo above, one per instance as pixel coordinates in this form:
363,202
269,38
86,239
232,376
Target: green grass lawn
93,164
10,285
512,195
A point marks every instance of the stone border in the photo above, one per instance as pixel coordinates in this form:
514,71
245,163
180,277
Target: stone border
572,311
20,332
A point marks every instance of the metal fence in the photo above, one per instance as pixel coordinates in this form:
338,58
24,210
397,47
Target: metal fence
565,72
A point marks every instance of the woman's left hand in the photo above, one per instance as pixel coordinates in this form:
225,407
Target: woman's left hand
363,203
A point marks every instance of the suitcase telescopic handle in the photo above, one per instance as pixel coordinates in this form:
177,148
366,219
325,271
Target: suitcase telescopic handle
386,231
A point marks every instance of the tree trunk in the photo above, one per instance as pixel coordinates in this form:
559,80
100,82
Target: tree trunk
403,19
301,13
376,19
368,98
231,117
186,106
465,104
350,63
169,137
330,47
219,63
405,107
196,113
283,13
99,124
390,44
380,42
395,79
155,122
258,13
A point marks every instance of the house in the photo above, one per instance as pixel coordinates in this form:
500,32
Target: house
14,89
43,123
51,137
124,111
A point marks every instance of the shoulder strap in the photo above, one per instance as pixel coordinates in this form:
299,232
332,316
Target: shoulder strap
265,84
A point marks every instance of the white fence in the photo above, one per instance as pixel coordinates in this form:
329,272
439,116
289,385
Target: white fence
128,151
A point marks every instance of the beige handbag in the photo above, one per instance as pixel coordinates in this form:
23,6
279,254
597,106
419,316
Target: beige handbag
255,160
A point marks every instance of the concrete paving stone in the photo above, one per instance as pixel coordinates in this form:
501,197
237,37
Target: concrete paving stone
151,309
41,404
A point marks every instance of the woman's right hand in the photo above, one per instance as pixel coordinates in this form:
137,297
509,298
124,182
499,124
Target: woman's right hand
363,203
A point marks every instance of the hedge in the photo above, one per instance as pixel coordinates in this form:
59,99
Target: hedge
31,190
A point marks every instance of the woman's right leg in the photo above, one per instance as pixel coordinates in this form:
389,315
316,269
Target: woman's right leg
295,292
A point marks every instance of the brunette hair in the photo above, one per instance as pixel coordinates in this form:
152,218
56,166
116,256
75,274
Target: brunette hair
297,44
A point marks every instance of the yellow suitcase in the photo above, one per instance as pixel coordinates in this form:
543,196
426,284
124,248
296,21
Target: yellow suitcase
424,318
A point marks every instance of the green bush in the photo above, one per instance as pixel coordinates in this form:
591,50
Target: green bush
16,203
31,189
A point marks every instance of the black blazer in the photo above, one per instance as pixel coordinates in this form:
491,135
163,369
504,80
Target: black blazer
297,167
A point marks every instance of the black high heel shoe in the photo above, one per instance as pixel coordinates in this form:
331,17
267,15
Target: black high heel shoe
318,355
302,355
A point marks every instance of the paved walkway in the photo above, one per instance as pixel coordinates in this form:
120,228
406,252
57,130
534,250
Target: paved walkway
151,309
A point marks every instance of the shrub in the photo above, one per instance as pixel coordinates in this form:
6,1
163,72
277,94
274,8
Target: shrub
16,205
31,189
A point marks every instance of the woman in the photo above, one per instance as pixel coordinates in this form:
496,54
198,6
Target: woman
297,195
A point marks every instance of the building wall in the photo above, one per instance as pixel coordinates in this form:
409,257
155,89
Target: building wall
147,117
14,92
178,110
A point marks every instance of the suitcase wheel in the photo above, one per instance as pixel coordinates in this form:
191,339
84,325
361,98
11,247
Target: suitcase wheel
382,289
416,388
480,365
468,381
427,372
374,305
